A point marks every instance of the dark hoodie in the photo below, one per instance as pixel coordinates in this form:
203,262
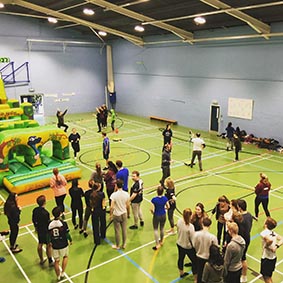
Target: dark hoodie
233,254
212,273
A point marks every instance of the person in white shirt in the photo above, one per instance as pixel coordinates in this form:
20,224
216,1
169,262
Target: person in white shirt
119,212
198,146
271,241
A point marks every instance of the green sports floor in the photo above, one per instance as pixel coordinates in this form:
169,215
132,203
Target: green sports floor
140,149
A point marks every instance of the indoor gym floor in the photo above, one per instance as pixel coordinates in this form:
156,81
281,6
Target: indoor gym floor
140,149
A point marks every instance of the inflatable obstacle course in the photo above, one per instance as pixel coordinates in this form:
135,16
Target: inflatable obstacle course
29,152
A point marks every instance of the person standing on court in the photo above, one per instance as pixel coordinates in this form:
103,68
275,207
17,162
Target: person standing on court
119,212
136,198
198,146
13,211
238,146
122,174
167,136
165,163
58,184
229,136
41,219
113,119
60,239
76,194
202,241
262,195
60,116
105,149
159,204
271,241
233,255
74,139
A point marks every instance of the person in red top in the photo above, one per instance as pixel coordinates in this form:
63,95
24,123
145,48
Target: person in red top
262,195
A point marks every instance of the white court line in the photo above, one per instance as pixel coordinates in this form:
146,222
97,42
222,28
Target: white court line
17,263
31,233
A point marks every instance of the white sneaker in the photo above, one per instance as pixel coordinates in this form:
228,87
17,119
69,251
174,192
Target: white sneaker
243,279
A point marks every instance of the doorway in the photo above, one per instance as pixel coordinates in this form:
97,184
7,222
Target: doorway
214,118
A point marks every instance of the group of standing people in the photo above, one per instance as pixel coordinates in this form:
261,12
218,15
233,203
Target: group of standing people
102,117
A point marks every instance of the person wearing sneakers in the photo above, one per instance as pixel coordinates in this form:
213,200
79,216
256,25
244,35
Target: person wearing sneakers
136,198
13,211
41,219
119,212
159,204
198,146
60,239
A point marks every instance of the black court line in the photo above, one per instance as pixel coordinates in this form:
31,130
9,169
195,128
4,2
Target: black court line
135,151
92,254
202,185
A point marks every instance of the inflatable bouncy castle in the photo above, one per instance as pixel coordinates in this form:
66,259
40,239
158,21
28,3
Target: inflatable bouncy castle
28,151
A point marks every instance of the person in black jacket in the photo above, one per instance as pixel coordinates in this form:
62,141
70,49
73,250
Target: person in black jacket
41,219
165,163
74,139
76,194
60,116
12,211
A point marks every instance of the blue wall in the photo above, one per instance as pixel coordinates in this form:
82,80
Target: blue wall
180,82
177,81
53,70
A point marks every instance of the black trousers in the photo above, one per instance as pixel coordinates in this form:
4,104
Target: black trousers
60,202
233,276
264,202
98,219
191,253
78,209
14,231
165,173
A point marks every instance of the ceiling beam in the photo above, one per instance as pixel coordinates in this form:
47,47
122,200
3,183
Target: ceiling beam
254,23
134,39
204,14
185,35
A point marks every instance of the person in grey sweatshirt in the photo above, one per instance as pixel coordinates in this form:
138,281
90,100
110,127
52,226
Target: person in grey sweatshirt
202,241
233,255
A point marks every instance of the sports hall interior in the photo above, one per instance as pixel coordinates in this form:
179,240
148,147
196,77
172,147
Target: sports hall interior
201,78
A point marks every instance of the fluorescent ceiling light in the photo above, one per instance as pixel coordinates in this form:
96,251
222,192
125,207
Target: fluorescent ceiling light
102,33
88,12
139,28
52,20
2,5
200,20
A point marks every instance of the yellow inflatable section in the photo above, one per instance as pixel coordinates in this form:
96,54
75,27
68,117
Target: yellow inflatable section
3,97
30,142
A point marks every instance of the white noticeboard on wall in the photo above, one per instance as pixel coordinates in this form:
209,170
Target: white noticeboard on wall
240,108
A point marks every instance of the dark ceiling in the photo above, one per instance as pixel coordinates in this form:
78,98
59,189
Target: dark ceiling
159,17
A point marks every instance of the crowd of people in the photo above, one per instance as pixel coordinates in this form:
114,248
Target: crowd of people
213,258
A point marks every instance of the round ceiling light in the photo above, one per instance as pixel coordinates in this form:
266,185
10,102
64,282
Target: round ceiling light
52,20
139,28
199,20
88,12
